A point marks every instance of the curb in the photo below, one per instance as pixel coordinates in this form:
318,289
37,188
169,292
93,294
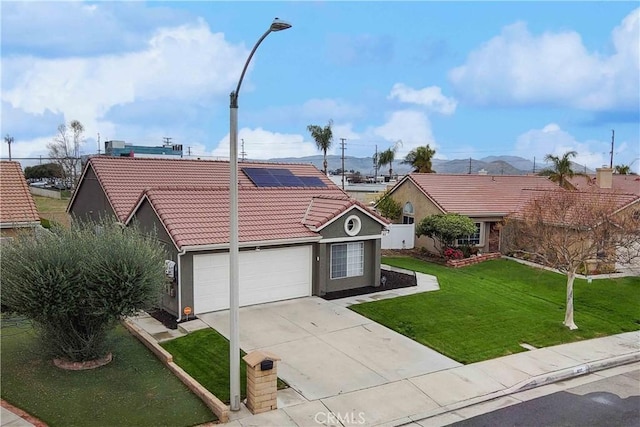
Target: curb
533,382
216,405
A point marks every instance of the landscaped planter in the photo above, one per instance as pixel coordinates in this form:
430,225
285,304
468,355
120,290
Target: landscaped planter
457,263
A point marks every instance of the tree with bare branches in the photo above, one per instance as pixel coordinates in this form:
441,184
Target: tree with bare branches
575,231
64,150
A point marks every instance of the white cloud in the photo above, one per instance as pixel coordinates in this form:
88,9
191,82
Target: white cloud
551,139
430,97
412,127
261,144
519,68
184,63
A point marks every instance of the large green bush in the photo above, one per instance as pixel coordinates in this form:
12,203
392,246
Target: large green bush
444,229
75,284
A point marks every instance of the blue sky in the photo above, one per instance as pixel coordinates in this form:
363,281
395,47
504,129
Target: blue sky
473,79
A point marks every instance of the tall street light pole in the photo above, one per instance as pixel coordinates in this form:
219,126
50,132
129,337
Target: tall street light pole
234,286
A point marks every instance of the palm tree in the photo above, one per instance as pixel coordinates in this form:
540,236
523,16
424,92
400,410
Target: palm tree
420,159
387,157
561,170
622,169
323,137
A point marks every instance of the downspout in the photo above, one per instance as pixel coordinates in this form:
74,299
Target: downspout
182,252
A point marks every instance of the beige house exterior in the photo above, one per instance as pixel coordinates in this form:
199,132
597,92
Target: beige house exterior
483,198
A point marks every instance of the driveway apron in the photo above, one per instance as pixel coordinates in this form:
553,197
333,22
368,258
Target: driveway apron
327,349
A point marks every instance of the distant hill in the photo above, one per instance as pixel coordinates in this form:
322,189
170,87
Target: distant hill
493,165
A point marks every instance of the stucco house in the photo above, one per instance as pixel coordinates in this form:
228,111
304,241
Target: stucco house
17,208
300,234
486,199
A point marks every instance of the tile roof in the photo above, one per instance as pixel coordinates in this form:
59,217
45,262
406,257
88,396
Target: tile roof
578,204
200,216
323,209
477,195
16,203
123,179
629,184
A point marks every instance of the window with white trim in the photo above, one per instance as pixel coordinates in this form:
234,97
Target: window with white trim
347,260
407,213
471,240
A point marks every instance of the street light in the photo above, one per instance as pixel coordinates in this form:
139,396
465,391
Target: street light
234,287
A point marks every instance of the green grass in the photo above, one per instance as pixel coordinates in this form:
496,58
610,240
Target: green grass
486,310
135,389
204,355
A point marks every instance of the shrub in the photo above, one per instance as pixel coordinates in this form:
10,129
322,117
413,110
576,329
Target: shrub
388,208
453,253
75,284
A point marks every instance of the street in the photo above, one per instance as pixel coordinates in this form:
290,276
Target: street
610,401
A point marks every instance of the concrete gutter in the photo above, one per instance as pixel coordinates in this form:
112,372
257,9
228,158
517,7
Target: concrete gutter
530,383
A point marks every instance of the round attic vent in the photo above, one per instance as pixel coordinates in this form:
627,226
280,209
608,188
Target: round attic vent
352,225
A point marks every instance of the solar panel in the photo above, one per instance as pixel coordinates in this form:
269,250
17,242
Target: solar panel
271,177
261,177
312,181
290,181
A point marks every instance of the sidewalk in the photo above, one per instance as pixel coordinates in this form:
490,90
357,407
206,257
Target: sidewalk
432,399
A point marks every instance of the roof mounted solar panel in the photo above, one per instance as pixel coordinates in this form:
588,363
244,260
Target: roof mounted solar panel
261,177
312,181
290,181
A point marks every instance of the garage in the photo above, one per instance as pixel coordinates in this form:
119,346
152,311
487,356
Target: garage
266,275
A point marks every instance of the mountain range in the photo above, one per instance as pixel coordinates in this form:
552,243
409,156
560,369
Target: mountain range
493,165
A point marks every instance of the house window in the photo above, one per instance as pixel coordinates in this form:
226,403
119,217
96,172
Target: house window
347,260
473,239
407,213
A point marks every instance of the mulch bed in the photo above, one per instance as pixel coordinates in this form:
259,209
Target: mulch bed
394,280
165,318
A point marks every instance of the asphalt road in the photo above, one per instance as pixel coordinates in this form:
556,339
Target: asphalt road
613,401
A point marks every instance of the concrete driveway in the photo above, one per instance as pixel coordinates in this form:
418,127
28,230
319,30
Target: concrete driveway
327,349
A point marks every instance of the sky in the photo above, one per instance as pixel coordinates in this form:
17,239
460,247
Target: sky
471,79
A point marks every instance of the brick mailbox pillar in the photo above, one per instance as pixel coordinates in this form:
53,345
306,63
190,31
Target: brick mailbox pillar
262,381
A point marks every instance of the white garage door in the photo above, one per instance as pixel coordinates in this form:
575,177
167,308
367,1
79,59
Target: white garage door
265,276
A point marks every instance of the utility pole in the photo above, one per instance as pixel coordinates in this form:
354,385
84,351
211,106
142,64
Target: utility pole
243,154
9,140
189,150
613,134
469,166
166,140
534,165
98,143
342,143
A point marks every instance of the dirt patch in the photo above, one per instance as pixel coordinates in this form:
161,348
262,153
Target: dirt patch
82,366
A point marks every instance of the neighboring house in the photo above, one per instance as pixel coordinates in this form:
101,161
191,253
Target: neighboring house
305,238
485,199
606,180
17,209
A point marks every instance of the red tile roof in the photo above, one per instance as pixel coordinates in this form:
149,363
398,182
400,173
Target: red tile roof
123,179
629,184
323,209
200,216
477,195
16,203
578,204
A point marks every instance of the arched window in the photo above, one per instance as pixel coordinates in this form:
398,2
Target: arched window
407,213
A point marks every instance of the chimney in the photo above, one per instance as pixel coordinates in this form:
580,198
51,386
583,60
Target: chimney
604,177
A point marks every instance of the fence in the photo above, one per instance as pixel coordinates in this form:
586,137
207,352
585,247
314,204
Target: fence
399,236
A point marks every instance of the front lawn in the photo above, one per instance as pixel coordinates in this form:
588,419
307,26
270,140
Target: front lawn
487,310
204,355
135,389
